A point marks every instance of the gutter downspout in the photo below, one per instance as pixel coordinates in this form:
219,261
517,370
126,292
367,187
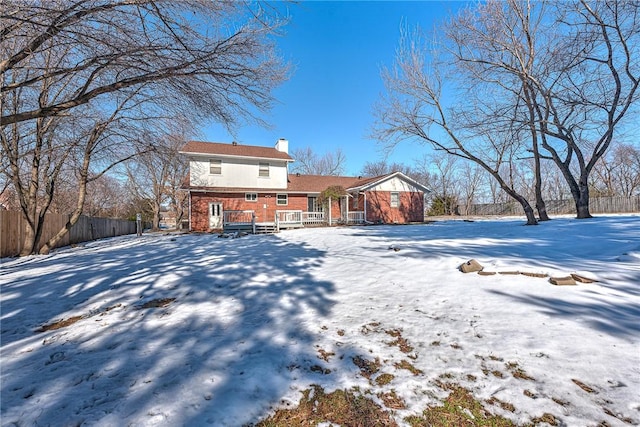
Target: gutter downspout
190,227
346,203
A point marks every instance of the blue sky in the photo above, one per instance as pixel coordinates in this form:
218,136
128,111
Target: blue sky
337,50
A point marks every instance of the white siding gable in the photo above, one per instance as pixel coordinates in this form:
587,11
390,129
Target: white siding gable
238,173
394,184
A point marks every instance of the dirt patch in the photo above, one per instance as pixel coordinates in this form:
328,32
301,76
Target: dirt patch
60,324
157,303
71,320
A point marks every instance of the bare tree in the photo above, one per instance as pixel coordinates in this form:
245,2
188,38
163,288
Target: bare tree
83,81
618,173
218,61
307,162
568,80
158,175
591,85
414,109
471,180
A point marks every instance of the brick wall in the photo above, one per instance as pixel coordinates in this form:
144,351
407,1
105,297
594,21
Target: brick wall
410,209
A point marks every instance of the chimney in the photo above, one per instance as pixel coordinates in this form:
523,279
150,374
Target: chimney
282,145
234,143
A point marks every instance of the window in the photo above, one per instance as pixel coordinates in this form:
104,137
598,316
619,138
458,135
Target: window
395,199
263,169
282,200
313,205
251,197
215,166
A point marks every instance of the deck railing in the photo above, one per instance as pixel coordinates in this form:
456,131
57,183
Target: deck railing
312,217
238,217
288,218
355,217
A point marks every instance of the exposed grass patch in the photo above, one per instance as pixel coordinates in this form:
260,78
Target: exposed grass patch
341,332
518,372
460,409
399,341
545,418
392,400
504,405
583,386
497,374
435,343
320,369
530,394
560,401
346,408
384,379
367,367
325,355
409,367
370,327
614,415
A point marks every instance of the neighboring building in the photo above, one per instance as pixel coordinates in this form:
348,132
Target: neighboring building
241,184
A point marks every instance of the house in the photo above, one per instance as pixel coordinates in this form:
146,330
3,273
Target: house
234,185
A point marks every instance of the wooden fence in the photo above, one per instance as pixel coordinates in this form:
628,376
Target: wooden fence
12,227
597,205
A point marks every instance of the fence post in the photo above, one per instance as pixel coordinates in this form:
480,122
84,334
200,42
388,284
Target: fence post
139,224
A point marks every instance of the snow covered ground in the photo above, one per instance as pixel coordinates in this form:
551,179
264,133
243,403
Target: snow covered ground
258,319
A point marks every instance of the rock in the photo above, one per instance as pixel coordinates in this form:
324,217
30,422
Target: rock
582,279
470,266
562,281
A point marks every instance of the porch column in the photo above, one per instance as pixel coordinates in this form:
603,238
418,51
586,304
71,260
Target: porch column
365,206
346,203
329,211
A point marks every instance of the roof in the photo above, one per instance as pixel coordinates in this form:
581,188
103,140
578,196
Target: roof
319,183
298,183
234,150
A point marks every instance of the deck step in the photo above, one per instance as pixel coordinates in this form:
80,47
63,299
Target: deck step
266,228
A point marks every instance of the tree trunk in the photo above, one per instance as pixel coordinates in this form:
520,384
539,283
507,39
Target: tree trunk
29,242
582,202
528,210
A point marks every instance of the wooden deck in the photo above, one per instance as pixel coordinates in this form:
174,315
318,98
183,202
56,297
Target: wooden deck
245,221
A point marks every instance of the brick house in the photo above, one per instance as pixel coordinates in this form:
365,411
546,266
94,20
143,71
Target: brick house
234,184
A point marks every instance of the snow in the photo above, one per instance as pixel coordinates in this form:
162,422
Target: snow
253,317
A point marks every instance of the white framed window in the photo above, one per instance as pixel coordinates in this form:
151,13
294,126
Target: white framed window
263,169
395,199
215,166
282,199
251,197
